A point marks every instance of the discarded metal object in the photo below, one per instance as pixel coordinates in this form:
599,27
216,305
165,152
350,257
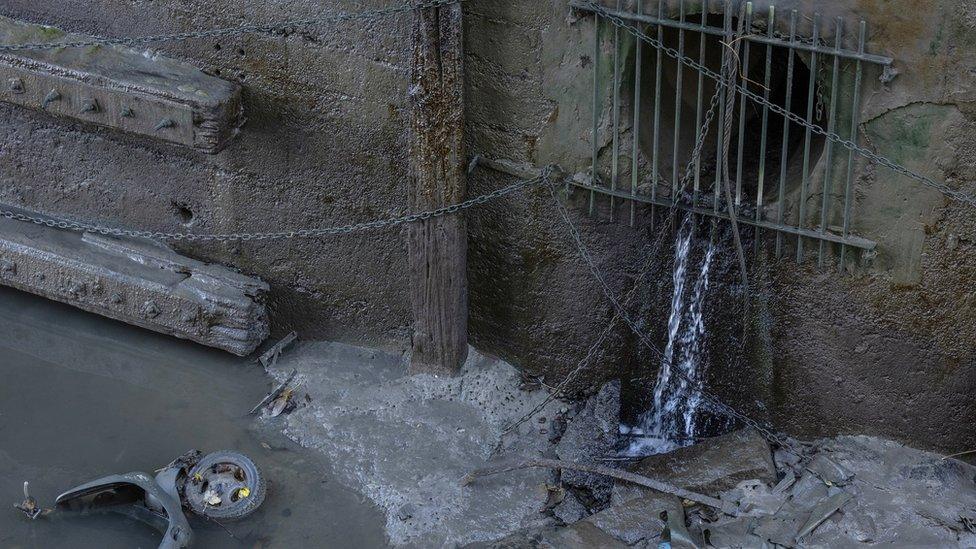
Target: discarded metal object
119,88
155,501
29,506
726,507
158,501
270,357
224,485
277,392
138,282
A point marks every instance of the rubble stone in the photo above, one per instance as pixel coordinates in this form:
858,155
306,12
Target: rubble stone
709,467
592,434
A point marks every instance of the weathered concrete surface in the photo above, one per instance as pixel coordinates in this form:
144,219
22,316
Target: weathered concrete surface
138,282
325,144
407,441
119,88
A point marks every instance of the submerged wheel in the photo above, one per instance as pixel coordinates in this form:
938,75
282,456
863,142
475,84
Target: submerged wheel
224,485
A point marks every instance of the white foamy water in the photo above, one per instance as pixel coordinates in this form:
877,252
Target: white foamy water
671,422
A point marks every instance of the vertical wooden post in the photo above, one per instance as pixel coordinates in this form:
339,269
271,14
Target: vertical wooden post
438,246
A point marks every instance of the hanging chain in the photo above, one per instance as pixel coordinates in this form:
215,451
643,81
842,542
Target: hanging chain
228,31
39,219
943,188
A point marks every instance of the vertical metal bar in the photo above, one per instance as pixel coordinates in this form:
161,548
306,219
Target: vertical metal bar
655,174
727,27
596,107
807,138
675,169
742,105
615,169
634,175
855,112
760,191
784,153
698,108
831,128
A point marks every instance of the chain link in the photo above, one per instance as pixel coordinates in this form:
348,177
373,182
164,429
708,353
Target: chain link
943,188
227,31
298,233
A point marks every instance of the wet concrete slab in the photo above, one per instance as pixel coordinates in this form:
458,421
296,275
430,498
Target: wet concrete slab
136,281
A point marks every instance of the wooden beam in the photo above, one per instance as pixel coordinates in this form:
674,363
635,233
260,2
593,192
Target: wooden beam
438,247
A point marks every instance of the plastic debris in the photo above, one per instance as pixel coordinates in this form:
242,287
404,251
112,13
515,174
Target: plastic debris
29,506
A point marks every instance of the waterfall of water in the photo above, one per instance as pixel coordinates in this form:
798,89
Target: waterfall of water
671,422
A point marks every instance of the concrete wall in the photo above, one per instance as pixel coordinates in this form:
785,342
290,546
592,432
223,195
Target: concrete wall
886,348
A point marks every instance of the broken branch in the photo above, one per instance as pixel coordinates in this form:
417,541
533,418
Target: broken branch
640,480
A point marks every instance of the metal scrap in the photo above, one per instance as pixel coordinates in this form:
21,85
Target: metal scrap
29,506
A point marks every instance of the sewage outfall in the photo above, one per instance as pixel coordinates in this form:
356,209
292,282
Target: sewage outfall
671,422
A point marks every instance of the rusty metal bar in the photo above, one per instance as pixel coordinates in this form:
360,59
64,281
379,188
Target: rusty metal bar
849,187
635,160
853,241
771,40
742,110
615,169
675,164
831,127
596,107
807,138
785,151
761,179
655,173
701,90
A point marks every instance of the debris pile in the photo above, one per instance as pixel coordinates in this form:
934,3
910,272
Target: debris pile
840,492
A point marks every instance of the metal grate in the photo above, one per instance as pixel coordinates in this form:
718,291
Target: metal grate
784,185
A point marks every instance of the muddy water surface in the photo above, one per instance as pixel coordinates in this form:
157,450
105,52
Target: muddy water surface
82,397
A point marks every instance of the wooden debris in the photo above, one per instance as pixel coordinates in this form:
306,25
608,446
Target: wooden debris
724,506
274,394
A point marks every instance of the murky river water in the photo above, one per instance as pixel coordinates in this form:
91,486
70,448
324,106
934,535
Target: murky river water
82,397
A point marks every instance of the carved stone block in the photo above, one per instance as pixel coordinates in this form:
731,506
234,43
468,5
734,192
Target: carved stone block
136,281
117,87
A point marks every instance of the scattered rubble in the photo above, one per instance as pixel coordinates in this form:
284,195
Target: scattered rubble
592,434
841,492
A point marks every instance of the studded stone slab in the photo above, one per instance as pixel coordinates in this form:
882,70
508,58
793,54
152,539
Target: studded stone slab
120,88
138,282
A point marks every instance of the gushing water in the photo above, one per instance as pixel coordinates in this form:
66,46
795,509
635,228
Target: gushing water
671,422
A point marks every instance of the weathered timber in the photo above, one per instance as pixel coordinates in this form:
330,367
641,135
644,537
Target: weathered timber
438,246
118,87
136,281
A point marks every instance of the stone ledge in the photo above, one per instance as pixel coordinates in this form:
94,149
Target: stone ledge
136,281
117,87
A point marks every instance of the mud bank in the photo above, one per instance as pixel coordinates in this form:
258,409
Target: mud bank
406,441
